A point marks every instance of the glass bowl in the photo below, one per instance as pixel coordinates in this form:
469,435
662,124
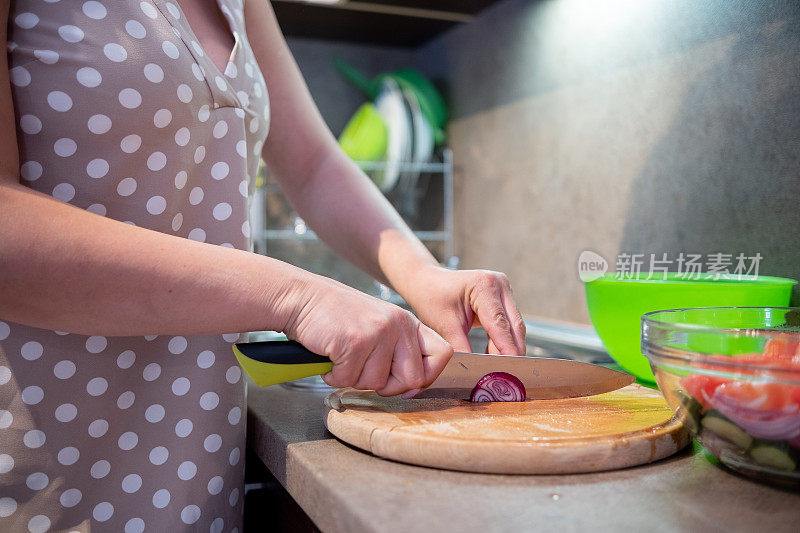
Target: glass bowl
732,375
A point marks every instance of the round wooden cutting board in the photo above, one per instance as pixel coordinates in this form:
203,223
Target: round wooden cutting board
626,427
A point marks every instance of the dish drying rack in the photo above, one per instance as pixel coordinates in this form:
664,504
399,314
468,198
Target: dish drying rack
405,197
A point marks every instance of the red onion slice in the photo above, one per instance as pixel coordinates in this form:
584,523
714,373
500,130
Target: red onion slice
769,424
498,387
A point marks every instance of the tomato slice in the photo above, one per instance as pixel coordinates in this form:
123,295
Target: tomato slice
794,395
760,396
701,387
783,347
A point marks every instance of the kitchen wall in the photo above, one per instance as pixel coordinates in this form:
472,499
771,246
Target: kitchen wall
660,126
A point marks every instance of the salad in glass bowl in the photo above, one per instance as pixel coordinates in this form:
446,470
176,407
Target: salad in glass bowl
732,374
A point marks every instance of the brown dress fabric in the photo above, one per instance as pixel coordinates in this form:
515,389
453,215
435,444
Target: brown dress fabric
120,112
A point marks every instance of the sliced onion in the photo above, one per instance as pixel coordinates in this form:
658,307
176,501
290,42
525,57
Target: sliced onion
769,424
498,387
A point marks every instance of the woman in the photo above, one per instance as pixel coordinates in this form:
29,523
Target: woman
131,134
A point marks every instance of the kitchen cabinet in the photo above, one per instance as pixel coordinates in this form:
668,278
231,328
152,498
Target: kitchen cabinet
407,23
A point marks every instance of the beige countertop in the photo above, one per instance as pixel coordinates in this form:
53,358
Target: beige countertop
345,490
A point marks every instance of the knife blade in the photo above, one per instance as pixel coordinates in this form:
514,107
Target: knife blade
544,378
271,362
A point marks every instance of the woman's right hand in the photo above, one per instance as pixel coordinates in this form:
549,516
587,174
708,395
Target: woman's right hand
373,344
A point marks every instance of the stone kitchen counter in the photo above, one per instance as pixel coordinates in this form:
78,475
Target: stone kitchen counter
343,489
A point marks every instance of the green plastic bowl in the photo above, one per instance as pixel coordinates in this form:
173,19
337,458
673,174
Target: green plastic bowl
616,306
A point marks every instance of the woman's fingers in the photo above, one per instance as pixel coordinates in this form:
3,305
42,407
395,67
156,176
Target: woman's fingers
505,330
406,369
515,320
456,336
491,348
349,357
419,358
437,352
375,374
345,372
492,316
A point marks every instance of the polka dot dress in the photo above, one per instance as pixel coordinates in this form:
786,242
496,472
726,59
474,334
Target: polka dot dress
120,112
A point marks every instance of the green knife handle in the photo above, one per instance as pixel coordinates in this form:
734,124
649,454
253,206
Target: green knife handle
271,362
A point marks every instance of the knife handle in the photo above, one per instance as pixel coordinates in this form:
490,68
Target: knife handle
271,362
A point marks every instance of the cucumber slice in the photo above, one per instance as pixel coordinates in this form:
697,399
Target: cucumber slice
716,422
774,454
692,408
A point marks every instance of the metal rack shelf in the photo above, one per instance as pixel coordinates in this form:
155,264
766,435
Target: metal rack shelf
308,235
445,235
404,167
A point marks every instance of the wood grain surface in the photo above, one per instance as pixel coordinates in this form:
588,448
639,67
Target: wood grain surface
623,428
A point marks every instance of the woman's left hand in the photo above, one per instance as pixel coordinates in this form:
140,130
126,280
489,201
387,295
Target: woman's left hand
452,302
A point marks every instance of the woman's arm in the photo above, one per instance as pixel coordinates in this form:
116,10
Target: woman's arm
331,193
66,269
349,213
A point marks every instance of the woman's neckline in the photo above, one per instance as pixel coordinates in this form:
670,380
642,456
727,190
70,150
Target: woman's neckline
220,17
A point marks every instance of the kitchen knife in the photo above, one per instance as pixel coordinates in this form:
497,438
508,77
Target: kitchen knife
271,362
544,378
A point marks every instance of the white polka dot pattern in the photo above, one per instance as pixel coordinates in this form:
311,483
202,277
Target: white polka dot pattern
184,427
98,428
187,470
70,33
131,483
88,77
64,369
70,497
30,124
99,124
134,525
130,143
69,456
123,114
153,73
6,463
66,412
100,469
135,29
39,524
126,399
161,498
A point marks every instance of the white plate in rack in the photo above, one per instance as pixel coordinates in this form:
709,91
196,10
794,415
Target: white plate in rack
392,109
